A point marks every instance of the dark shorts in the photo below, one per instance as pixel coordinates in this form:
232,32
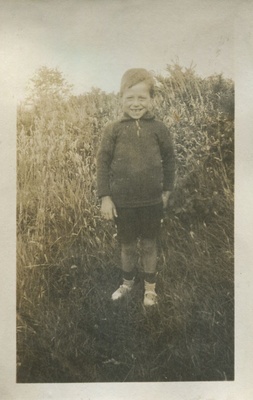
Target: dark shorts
139,222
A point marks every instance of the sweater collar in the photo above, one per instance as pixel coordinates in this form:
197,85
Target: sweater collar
147,115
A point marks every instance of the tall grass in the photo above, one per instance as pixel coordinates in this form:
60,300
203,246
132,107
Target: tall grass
67,257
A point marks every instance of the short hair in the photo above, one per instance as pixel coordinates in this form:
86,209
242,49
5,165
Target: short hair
134,76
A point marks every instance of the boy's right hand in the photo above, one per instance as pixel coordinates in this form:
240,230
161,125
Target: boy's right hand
108,209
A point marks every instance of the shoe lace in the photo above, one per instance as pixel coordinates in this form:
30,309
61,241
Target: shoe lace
123,287
151,294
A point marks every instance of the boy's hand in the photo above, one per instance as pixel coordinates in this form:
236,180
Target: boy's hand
108,209
165,198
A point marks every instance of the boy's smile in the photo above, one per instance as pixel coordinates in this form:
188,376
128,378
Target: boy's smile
136,101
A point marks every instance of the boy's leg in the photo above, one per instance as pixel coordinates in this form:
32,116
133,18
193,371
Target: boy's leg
149,257
127,233
128,260
151,223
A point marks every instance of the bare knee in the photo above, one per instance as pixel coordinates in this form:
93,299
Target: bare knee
148,246
129,249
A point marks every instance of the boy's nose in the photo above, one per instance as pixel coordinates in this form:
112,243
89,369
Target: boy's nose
136,102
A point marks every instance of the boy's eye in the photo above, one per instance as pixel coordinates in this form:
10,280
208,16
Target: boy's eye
131,98
140,98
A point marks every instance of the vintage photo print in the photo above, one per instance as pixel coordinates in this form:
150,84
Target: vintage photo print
125,217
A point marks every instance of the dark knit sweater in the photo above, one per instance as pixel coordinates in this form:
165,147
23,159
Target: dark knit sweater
135,162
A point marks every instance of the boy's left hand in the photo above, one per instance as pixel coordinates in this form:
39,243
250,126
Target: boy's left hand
165,199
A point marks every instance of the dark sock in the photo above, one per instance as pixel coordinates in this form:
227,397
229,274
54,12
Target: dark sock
129,275
150,277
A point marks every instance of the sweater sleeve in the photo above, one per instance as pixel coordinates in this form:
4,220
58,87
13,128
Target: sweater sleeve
104,159
168,158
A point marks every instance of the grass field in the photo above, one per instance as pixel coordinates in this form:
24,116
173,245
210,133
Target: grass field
68,259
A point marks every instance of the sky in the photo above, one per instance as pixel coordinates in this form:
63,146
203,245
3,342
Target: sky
93,42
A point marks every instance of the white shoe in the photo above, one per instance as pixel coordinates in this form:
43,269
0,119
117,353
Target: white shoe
123,290
150,298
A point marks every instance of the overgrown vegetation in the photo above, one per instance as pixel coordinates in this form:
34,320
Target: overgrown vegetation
67,257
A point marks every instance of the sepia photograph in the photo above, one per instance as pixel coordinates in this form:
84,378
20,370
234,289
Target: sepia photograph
124,193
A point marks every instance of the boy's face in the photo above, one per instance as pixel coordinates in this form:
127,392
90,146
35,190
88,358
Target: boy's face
136,101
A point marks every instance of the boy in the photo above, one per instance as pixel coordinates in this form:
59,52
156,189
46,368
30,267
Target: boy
135,175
